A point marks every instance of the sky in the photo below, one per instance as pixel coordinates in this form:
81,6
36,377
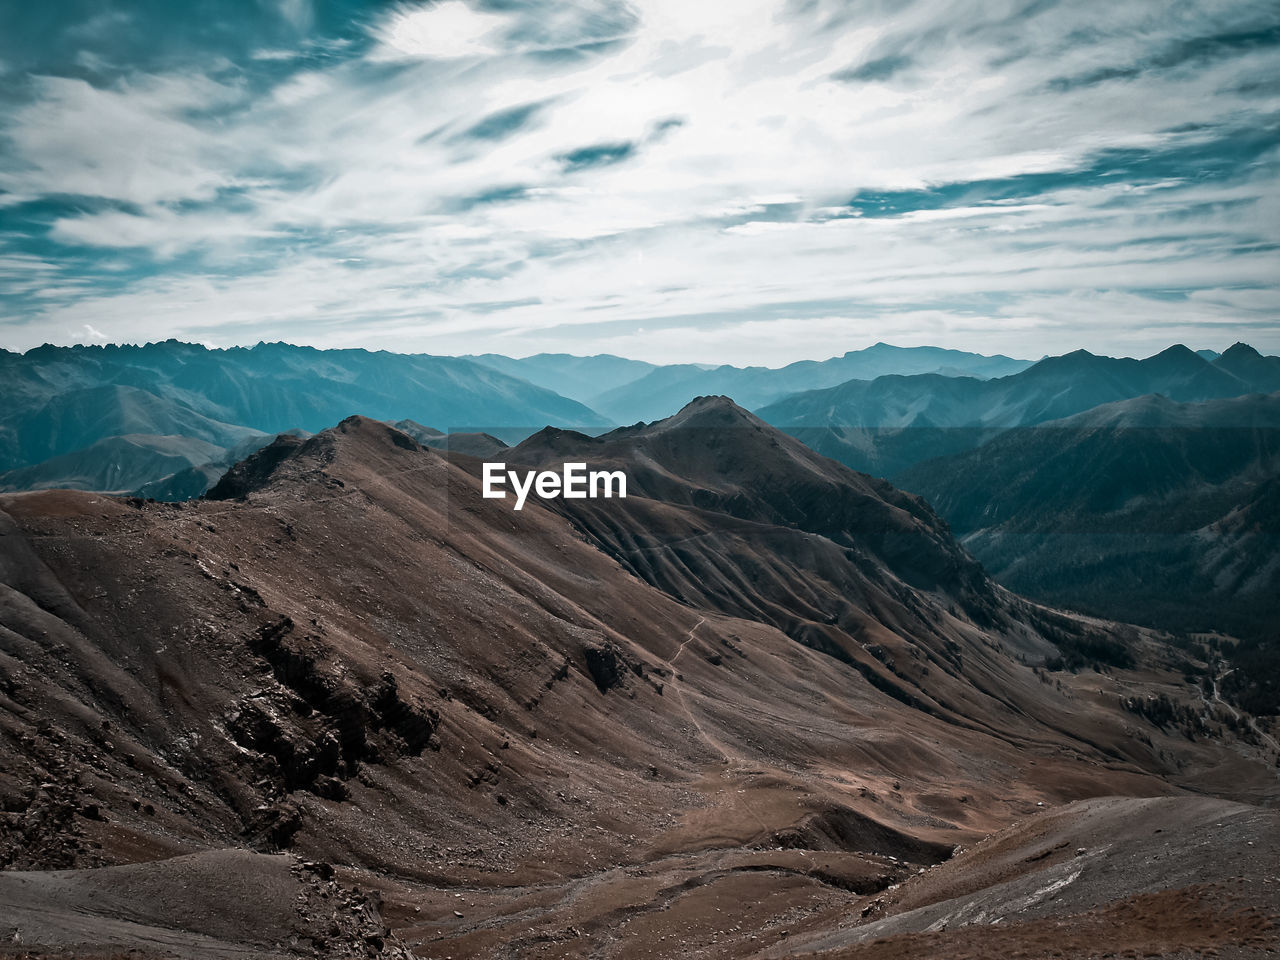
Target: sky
750,182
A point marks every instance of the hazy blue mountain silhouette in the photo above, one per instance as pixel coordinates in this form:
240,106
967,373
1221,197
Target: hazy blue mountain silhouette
59,400
664,390
888,424
579,378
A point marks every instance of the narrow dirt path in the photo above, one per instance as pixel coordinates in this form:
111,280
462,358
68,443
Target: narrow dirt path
731,761
1217,698
678,684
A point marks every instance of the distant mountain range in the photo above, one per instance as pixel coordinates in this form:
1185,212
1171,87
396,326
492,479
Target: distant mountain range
167,420
888,424
1145,510
60,402
627,391
579,378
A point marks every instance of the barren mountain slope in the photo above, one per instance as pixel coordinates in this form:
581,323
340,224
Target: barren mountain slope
498,730
728,513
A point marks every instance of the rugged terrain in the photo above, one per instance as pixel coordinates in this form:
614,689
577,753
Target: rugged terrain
167,398
889,424
765,704
1145,510
165,420
663,391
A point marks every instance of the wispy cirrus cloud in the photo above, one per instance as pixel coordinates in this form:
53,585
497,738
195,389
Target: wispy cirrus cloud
752,182
441,31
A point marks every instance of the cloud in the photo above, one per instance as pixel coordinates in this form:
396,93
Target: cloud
164,232
560,175
298,13
136,141
274,54
442,31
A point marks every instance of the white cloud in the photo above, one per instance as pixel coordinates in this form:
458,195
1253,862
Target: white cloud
362,210
273,54
133,142
442,31
161,231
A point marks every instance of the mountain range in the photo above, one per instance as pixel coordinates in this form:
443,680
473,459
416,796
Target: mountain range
1043,512
1145,510
888,424
909,404
172,397
627,391
579,378
764,705
60,400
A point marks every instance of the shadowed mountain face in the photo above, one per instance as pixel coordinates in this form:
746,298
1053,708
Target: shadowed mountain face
743,702
666,389
1129,457
115,464
1145,510
60,400
716,460
886,425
